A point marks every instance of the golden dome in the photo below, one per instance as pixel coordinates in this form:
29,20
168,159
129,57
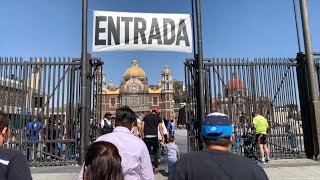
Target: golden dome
134,70
166,70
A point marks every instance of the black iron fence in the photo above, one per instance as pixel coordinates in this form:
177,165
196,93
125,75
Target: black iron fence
42,97
238,86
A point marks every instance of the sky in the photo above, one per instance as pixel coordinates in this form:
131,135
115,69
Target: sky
230,28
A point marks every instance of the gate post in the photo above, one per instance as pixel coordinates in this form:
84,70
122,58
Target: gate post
304,105
314,103
200,85
84,88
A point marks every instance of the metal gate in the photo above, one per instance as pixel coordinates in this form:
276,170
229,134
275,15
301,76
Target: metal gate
237,87
42,98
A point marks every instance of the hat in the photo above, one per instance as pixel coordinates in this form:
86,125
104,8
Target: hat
216,126
155,109
107,114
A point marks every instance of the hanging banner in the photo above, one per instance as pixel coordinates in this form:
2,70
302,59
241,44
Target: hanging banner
122,31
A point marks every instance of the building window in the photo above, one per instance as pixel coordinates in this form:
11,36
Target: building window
113,102
37,102
167,77
167,86
155,101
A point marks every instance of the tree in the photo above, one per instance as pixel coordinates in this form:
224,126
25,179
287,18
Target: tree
179,95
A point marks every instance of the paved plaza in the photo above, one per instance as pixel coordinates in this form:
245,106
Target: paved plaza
278,169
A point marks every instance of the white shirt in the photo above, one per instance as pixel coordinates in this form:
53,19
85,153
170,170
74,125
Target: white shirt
164,130
105,119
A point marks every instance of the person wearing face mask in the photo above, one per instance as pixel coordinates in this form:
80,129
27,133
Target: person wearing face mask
13,164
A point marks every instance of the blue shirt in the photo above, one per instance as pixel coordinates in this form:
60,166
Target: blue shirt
34,127
172,150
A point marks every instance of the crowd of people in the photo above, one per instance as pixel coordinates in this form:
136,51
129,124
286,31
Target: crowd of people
126,145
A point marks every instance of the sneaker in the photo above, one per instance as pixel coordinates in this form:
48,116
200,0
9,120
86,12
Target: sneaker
268,160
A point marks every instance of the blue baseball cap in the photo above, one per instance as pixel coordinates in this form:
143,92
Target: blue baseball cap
215,126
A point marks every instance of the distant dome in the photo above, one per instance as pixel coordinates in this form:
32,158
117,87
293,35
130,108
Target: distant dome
235,83
166,70
111,85
134,70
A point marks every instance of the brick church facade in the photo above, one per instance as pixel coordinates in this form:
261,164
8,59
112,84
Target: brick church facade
135,92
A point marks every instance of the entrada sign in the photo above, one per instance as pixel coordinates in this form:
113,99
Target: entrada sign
121,31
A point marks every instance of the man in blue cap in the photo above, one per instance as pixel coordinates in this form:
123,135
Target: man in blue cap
216,161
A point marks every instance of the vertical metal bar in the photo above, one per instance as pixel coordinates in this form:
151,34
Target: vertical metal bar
84,88
64,116
296,21
43,112
312,80
313,90
57,113
200,98
68,114
49,117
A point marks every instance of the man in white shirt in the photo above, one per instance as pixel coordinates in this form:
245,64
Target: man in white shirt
106,124
292,133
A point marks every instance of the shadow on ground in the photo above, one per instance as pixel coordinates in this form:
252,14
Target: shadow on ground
163,173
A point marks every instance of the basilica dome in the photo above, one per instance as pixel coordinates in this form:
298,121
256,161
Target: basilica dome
235,83
134,70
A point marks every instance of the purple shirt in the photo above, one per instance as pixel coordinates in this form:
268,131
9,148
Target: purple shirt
135,158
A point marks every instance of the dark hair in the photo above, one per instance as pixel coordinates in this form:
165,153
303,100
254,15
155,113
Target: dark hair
171,138
125,116
254,113
224,142
103,162
4,120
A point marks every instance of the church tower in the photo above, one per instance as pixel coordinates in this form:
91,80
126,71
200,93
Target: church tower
167,94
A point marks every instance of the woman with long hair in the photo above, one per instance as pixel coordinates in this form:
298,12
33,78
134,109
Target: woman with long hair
103,162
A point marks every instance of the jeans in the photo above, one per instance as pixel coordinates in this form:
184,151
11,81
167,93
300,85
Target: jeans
292,140
171,162
154,144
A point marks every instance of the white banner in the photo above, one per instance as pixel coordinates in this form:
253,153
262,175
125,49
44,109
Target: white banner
122,31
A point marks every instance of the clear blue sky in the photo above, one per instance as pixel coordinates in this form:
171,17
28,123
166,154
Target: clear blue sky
231,28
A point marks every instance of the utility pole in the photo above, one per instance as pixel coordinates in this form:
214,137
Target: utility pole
84,86
314,104
200,97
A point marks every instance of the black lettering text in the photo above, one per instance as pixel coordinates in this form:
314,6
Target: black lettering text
155,32
141,30
126,20
182,30
166,40
113,30
99,30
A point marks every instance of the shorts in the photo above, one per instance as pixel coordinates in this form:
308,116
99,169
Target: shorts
262,139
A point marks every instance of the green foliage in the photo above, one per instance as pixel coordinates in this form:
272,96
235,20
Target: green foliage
179,96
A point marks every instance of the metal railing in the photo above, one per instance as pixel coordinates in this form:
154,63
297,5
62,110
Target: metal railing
239,86
41,97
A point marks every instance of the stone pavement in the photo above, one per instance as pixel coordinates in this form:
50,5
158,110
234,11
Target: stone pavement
278,169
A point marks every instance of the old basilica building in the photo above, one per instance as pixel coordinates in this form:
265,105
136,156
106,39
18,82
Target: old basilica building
135,92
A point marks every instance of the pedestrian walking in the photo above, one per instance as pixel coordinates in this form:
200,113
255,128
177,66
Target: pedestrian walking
172,127
136,163
216,161
261,125
103,162
292,130
165,135
13,164
34,134
149,134
173,154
